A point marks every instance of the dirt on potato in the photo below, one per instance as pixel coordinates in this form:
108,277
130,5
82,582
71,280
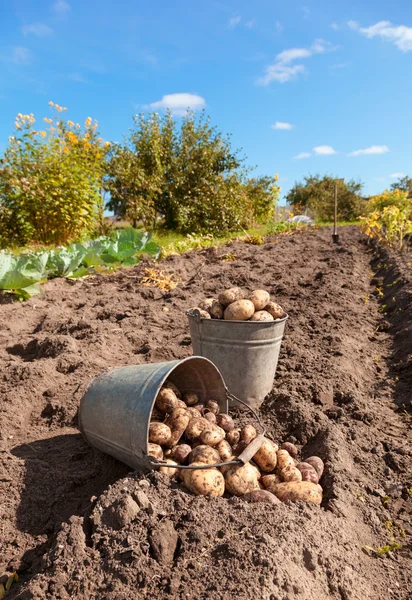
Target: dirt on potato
78,524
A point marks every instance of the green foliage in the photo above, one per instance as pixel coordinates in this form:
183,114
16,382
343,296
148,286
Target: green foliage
263,194
187,176
21,275
50,181
317,195
404,184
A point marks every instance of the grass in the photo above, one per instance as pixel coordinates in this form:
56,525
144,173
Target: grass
340,223
173,242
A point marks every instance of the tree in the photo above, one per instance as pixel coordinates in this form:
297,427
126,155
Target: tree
404,184
317,195
186,173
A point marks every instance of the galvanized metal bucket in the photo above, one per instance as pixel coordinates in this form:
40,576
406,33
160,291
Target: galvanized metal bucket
115,412
245,352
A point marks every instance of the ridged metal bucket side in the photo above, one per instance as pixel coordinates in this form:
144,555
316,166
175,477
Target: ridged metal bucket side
115,411
245,352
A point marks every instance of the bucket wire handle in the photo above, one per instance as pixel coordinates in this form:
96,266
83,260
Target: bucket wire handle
243,458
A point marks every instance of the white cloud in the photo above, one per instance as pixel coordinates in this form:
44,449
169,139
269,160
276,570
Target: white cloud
353,25
398,175
250,24
61,7
282,70
334,26
281,125
400,35
179,103
324,150
234,22
20,55
279,27
39,29
370,150
302,155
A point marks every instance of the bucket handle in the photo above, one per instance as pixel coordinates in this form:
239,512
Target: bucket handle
242,459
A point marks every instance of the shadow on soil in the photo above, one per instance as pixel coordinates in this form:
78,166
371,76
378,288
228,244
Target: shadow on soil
62,475
394,290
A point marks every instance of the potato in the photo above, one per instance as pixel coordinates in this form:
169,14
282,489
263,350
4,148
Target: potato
261,496
317,463
205,482
212,406
284,460
258,473
225,422
212,436
225,451
193,412
232,436
211,417
199,407
266,456
172,386
159,433
216,310
261,315
204,454
275,310
241,310
181,404
291,448
180,453
269,481
155,450
195,428
294,491
177,421
190,398
260,299
166,400
240,446
230,295
168,452
291,473
241,479
203,313
248,433
170,471
308,472
206,303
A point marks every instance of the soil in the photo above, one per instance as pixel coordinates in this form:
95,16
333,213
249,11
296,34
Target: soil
78,524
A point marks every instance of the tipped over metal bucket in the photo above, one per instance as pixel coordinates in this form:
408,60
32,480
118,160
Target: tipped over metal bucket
245,352
115,412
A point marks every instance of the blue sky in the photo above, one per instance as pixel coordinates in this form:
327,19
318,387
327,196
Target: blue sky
304,87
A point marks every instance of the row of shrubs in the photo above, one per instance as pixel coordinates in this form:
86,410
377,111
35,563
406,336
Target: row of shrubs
57,179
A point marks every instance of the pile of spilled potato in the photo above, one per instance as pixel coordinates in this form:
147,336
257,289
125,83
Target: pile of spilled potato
184,431
236,305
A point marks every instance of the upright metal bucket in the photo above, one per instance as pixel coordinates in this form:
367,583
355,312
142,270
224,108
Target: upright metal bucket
115,411
245,352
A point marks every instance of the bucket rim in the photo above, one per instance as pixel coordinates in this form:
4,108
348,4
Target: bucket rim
261,323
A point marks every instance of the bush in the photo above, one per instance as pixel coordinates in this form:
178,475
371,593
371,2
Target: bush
390,217
50,181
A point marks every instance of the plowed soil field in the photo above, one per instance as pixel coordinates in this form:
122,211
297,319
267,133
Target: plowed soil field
75,523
